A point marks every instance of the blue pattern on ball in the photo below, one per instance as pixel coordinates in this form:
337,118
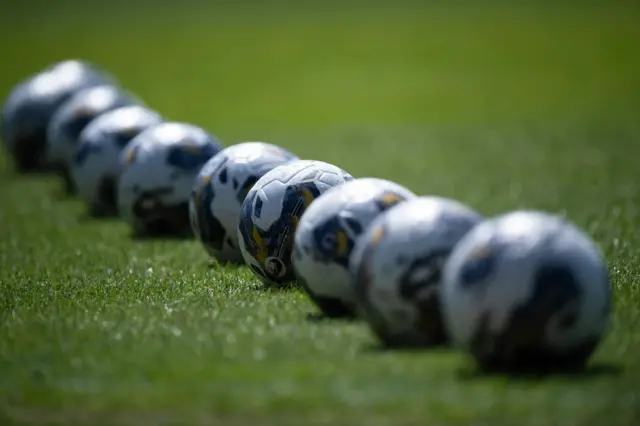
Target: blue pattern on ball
191,157
83,152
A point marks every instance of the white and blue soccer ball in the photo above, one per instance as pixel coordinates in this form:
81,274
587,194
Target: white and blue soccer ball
271,211
30,106
159,168
327,233
73,116
527,291
396,269
221,187
95,165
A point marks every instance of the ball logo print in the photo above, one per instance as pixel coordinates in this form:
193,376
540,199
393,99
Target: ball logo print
275,268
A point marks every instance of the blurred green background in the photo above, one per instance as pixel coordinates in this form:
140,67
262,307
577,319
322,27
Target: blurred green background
343,62
502,105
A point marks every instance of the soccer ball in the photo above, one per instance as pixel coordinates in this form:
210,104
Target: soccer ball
32,103
220,189
73,116
396,269
159,168
527,291
327,233
95,166
270,213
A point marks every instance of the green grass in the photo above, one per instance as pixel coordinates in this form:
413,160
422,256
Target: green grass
501,107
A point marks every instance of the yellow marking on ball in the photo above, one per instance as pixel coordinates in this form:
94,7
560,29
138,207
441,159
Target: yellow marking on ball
376,235
261,255
390,198
342,244
308,197
131,156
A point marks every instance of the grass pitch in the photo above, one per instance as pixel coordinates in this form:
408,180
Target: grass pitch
500,107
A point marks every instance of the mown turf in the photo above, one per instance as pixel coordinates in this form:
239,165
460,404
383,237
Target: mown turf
499,107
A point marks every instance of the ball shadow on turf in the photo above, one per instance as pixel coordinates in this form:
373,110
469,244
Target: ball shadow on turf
317,317
90,215
160,236
533,373
61,192
382,347
214,264
273,288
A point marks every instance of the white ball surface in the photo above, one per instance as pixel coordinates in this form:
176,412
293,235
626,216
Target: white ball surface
220,189
527,290
159,169
327,233
396,268
95,166
271,211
